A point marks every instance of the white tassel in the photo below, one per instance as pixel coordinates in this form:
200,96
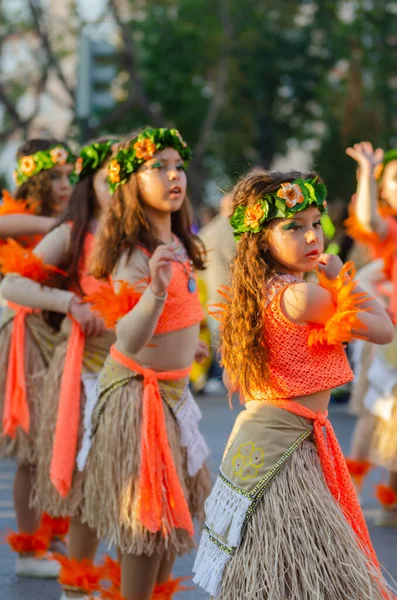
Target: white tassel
91,388
209,565
225,511
188,417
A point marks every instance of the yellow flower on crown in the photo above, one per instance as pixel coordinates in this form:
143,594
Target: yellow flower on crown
78,165
291,193
253,215
59,155
28,165
145,149
114,171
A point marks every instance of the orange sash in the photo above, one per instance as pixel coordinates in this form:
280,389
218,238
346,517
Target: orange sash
16,408
335,472
68,417
163,504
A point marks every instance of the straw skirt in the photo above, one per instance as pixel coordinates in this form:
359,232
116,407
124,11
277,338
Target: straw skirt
297,544
112,477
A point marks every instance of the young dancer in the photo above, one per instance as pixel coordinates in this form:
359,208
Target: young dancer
283,520
71,378
145,477
27,341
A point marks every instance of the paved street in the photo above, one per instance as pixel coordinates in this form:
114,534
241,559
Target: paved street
217,423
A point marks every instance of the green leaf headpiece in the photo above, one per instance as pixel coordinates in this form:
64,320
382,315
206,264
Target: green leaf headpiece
90,159
141,149
31,164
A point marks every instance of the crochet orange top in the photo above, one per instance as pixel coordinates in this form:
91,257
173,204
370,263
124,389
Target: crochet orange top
297,368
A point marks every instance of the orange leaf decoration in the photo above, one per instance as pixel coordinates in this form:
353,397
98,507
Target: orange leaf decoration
111,305
16,259
165,591
386,495
36,543
10,206
358,469
339,327
79,575
56,526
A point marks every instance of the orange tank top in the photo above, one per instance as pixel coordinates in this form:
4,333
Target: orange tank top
87,282
182,307
295,369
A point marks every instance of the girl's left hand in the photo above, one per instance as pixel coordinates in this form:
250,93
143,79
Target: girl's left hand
330,265
202,352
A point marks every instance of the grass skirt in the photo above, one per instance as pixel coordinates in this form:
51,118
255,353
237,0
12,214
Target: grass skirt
384,441
45,496
23,447
112,477
297,545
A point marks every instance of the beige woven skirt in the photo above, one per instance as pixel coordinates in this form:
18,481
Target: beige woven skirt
112,477
297,544
22,448
45,496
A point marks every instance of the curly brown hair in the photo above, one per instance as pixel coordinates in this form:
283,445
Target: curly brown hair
124,225
243,339
38,187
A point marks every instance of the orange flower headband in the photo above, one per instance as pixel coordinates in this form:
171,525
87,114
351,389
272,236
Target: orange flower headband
288,200
30,165
141,149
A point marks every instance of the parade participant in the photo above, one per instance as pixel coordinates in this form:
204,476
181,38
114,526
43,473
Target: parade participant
372,222
283,520
145,476
42,177
71,378
27,341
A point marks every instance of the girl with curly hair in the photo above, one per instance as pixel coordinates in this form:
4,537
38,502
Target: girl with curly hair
145,475
283,520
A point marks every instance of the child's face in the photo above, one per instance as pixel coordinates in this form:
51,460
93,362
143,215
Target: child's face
61,188
389,184
295,244
101,188
162,181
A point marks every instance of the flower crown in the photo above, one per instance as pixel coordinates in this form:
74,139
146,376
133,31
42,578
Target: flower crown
31,164
388,157
289,199
90,159
141,149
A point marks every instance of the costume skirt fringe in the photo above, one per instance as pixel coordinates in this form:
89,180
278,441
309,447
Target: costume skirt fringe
45,496
112,477
384,441
23,447
297,544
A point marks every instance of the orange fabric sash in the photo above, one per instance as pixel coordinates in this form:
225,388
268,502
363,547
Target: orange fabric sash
163,505
68,417
16,408
335,472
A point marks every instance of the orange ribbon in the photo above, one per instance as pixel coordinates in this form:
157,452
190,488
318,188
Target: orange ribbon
163,504
68,417
335,472
16,407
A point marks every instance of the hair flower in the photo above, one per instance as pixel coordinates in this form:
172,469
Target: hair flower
145,149
78,165
291,193
59,155
114,171
253,215
28,165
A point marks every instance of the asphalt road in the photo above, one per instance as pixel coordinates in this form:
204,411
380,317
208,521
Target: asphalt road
216,425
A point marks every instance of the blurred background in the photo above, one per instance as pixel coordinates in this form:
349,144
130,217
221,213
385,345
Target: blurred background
248,82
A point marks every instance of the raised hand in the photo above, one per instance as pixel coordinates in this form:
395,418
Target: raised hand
90,324
365,155
160,265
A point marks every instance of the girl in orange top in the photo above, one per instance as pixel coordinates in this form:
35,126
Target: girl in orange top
283,520
71,378
145,475
27,340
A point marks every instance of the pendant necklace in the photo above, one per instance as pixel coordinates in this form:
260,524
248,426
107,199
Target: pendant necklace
189,270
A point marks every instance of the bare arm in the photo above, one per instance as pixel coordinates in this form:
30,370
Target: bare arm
366,205
16,225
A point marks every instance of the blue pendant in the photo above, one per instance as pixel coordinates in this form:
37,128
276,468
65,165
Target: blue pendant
191,285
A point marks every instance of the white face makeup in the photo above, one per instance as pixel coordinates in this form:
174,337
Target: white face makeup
295,244
389,184
61,187
101,188
162,181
